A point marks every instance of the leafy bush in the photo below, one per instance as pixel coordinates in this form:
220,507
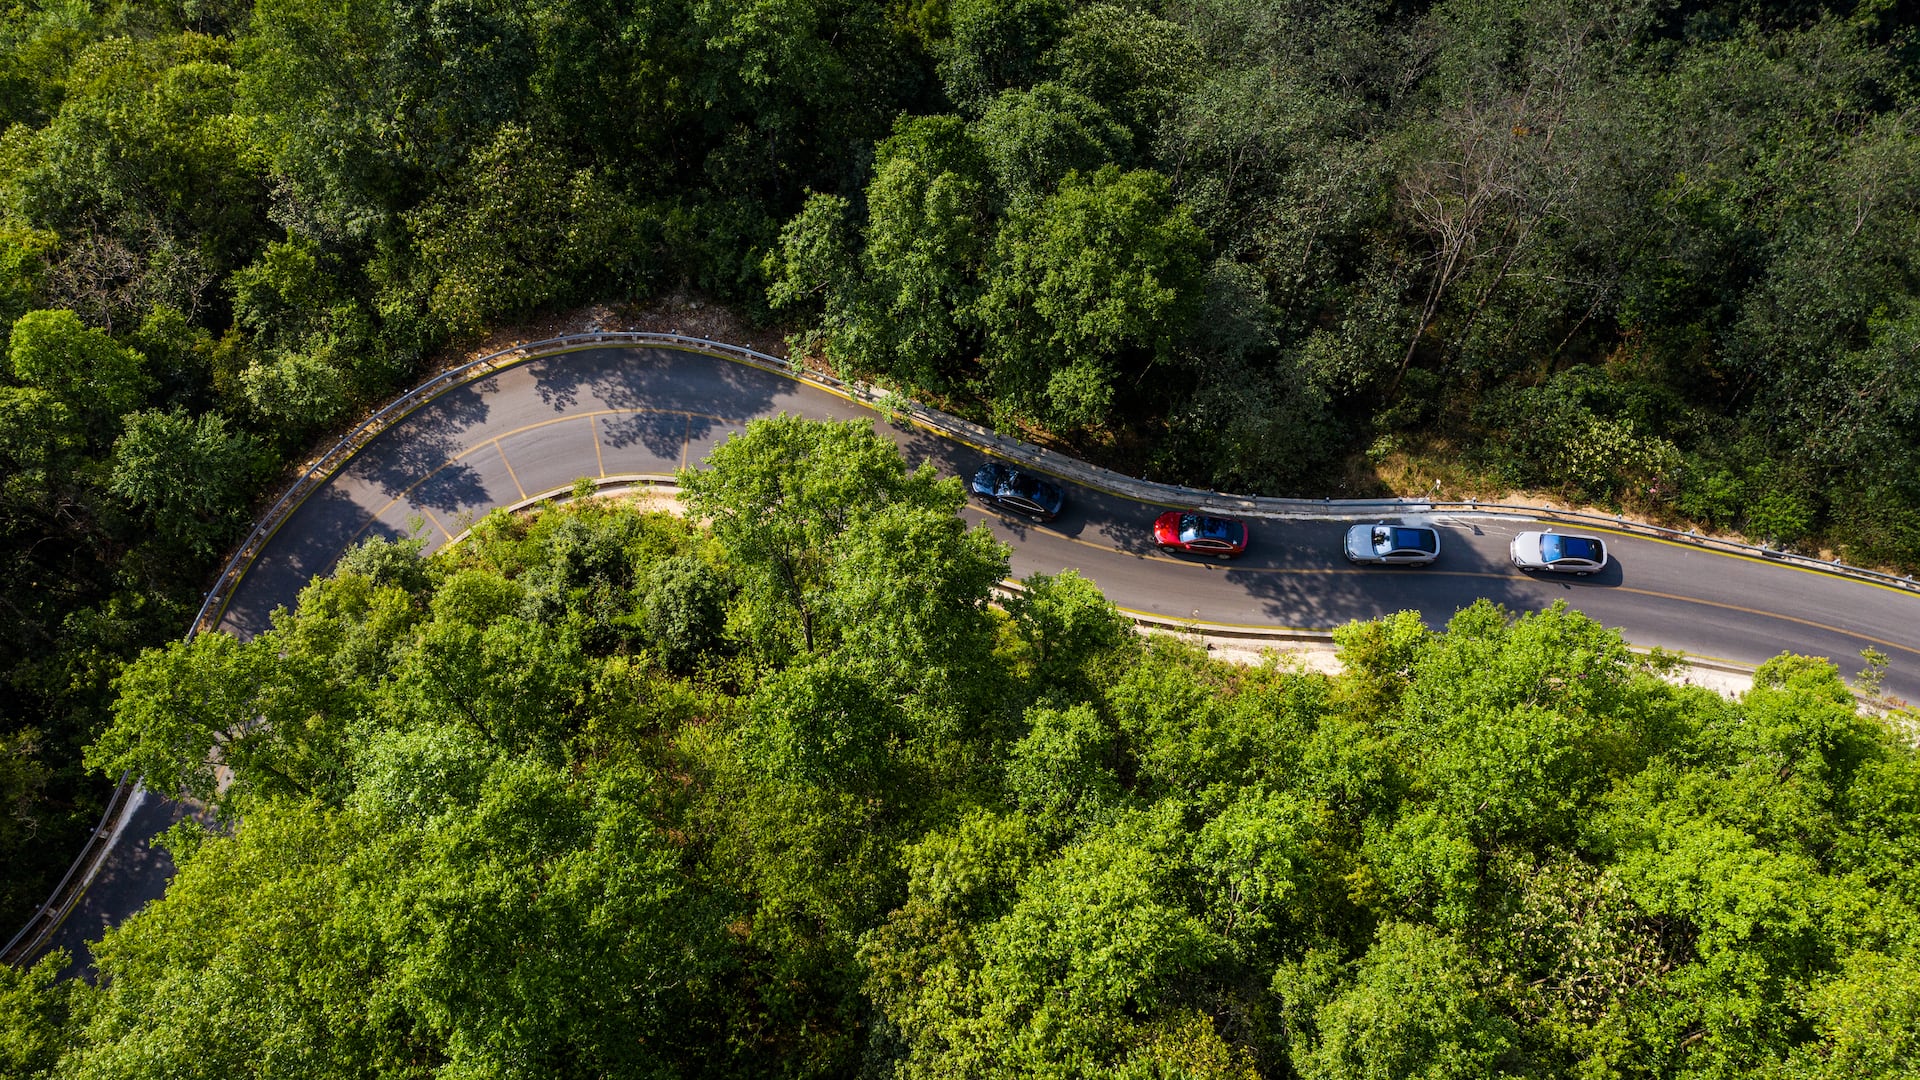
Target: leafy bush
685,611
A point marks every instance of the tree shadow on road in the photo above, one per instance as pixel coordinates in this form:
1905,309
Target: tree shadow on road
705,393
422,443
306,545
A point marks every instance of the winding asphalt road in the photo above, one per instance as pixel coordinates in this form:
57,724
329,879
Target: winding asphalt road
611,411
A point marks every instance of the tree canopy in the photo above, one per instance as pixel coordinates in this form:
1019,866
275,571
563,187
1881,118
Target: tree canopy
1658,256
489,815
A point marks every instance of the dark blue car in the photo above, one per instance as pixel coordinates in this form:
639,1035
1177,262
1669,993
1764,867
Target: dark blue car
1007,488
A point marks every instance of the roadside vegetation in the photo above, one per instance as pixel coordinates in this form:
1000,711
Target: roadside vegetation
606,793
1656,255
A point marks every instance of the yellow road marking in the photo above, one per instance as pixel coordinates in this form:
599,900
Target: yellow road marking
494,372
1769,615
408,490
598,461
509,465
428,514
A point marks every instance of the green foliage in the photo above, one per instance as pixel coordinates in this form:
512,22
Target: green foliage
1068,626
994,45
820,519
1867,1015
36,1015
1132,61
295,391
292,302
188,475
1062,771
1560,441
382,947
360,103
909,589
819,725
80,367
186,713
522,231
1104,269
970,869
813,265
180,355
23,781
22,271
1412,1010
465,835
39,440
898,307
517,685
928,209
1034,138
383,562
154,186
685,611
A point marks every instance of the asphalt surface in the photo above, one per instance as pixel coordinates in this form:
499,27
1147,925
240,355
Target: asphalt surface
613,411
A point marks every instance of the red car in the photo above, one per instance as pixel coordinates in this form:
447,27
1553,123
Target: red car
1200,534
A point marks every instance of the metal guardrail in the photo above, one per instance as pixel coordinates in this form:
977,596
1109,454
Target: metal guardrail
322,469
66,894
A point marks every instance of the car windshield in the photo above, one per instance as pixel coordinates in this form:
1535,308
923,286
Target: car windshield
1024,486
1393,539
1557,548
1201,527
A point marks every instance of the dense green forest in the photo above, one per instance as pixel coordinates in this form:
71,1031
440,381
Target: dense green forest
1657,253
603,793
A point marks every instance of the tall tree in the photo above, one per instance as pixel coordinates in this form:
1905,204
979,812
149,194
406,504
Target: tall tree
1093,283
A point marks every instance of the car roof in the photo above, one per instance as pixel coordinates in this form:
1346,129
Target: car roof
1417,538
1195,526
1559,547
1024,483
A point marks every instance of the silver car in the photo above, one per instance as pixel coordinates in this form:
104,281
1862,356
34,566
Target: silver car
1564,552
1394,545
